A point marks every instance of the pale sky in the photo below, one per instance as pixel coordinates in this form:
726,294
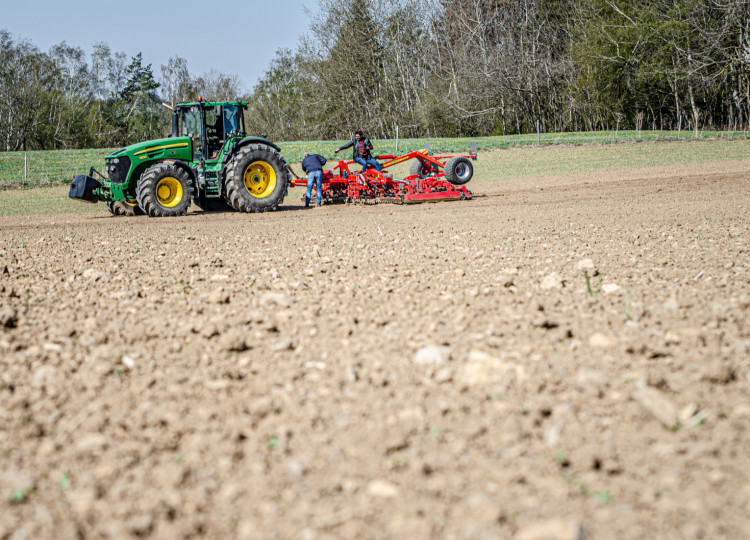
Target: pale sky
229,36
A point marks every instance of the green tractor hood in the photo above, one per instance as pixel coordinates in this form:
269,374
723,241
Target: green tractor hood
180,148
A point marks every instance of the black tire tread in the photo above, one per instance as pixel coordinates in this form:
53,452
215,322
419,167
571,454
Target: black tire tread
146,190
120,208
235,191
450,170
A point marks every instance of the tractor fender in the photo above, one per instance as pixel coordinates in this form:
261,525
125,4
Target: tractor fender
184,166
244,142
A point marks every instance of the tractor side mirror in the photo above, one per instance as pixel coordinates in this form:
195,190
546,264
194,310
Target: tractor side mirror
217,110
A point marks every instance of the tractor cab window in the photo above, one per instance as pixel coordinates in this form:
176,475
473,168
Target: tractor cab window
232,119
190,126
214,130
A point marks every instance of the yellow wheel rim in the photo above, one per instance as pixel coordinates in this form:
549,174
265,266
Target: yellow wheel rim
131,203
169,192
260,179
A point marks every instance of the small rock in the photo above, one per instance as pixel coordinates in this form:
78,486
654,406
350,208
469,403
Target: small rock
609,288
382,489
671,304
718,371
552,281
276,298
283,345
600,340
91,442
234,340
659,405
219,277
587,378
687,412
554,529
141,525
432,355
585,264
95,275
459,273
128,362
218,296
8,317
741,411
481,368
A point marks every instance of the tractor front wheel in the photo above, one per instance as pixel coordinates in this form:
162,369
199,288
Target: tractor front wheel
124,208
256,180
164,191
458,170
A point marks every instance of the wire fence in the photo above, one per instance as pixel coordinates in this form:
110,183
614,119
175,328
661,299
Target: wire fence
40,168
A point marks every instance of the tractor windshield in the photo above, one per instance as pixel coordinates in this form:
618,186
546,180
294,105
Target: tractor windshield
190,123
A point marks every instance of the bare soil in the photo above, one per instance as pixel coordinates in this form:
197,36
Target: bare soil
558,357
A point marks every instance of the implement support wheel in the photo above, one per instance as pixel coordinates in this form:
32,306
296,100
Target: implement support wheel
458,170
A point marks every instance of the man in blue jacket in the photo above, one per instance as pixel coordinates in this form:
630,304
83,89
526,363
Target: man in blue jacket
312,164
362,147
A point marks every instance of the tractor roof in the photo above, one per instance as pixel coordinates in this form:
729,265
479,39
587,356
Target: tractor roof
209,104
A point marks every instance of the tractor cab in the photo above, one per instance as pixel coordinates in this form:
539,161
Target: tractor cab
209,125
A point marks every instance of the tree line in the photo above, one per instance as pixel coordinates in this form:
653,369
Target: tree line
495,67
64,99
430,67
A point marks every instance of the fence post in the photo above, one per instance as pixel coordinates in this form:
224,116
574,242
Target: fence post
538,140
25,166
397,140
679,128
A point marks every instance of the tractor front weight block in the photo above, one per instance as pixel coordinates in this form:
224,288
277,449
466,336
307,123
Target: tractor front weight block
82,189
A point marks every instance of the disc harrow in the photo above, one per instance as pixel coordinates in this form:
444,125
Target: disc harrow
439,178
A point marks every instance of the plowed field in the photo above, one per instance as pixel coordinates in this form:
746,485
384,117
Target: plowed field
563,355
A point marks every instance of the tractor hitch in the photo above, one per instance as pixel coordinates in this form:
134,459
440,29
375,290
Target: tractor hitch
82,189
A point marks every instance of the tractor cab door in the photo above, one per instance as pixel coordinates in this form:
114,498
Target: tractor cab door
215,135
191,126
234,121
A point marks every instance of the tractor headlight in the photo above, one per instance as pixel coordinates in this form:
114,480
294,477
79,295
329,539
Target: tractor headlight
116,161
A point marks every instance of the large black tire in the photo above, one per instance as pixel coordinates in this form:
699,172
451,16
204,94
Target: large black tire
256,180
121,208
164,190
423,171
458,170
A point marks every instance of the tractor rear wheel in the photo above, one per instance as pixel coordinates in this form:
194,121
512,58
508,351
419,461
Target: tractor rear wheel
256,180
164,190
124,208
458,170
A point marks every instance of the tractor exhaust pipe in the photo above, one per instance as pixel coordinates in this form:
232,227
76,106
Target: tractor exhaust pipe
82,189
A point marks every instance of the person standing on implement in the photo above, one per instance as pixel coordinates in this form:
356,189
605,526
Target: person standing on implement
312,164
362,147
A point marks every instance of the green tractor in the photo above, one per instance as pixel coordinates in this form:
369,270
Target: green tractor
207,159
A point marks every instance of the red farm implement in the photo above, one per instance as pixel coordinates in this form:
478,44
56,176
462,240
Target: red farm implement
431,178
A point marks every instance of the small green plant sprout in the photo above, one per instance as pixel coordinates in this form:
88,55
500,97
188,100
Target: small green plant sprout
273,442
64,481
436,431
21,494
603,497
593,293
